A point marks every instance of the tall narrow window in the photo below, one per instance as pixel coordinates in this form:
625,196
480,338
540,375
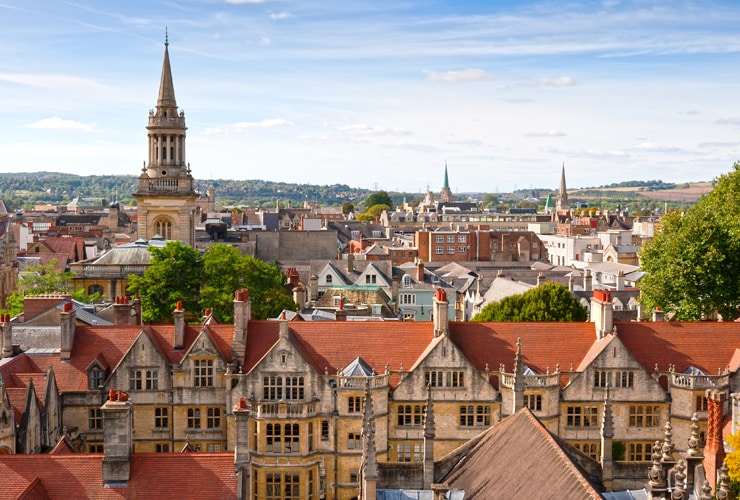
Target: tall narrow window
193,418
161,418
214,418
134,380
152,380
203,372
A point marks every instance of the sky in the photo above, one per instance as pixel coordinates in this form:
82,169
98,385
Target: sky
379,94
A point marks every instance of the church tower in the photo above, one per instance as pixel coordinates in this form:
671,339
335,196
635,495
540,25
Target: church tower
166,198
446,194
562,205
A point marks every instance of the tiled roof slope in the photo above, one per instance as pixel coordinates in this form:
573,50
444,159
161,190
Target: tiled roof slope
519,458
709,346
544,345
163,475
334,345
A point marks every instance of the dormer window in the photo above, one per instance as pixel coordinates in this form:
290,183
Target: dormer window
328,279
203,372
406,281
95,378
370,279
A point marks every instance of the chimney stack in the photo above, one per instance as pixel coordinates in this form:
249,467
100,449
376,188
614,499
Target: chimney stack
658,314
602,313
441,312
179,317
587,281
420,271
313,288
620,281
540,278
122,311
68,322
350,263
6,336
714,450
242,315
299,296
118,438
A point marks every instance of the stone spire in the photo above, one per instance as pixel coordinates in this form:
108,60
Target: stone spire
607,433
518,400
447,179
446,194
166,97
562,205
429,435
369,459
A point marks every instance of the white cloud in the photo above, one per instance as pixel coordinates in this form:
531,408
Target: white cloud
57,123
548,133
733,120
280,15
655,147
362,129
240,127
465,75
48,81
561,81
264,41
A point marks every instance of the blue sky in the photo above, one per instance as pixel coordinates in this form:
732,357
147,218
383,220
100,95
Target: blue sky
379,93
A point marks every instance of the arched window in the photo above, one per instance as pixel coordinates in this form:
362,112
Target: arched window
163,227
92,289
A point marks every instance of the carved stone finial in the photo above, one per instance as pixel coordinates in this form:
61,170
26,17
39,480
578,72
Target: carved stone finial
679,489
655,472
694,439
723,491
706,491
667,448
607,418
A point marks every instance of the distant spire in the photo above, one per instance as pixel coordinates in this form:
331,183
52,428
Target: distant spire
447,180
166,96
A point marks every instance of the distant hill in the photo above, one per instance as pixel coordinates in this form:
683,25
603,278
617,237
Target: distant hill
26,189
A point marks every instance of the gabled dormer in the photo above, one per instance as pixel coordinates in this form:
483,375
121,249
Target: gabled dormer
202,365
143,367
372,276
330,276
97,373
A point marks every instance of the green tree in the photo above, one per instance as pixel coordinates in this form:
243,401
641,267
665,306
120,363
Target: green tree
347,207
175,274
379,198
38,280
226,270
547,302
489,200
692,264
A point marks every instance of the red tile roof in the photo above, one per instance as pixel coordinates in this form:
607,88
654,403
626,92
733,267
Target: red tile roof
709,346
544,345
153,475
332,345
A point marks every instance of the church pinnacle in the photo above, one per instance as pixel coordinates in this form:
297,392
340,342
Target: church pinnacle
166,97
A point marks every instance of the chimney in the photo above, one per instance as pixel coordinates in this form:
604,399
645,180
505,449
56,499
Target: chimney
122,311
587,281
350,262
284,328
602,313
420,271
137,309
441,312
6,336
394,293
620,281
658,314
540,278
714,450
299,296
179,317
67,319
242,315
313,288
571,283
117,438
241,450
341,313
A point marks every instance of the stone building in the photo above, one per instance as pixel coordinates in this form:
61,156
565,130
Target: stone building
165,195
304,385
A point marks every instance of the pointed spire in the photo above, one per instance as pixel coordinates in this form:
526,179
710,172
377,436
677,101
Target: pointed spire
447,180
166,97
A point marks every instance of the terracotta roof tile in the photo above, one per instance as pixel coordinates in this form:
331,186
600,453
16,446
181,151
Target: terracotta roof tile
333,345
709,346
153,475
544,345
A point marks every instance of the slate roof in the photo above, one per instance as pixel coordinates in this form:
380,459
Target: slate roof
519,458
153,475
